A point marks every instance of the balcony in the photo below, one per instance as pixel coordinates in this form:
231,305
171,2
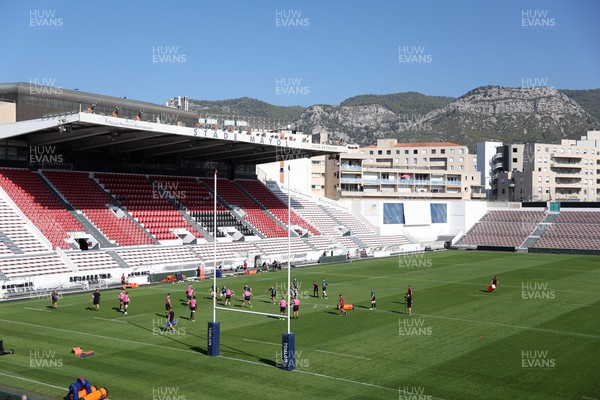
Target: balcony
380,164
348,167
569,172
565,155
351,180
569,184
565,164
497,156
402,195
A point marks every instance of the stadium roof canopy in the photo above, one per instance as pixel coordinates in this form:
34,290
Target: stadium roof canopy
84,122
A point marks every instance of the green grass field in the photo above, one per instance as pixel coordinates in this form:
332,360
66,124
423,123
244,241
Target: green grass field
538,337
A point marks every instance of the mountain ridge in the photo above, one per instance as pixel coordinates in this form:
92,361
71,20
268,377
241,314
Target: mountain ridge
483,113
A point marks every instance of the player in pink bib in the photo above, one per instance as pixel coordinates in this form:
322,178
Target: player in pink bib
282,307
193,308
125,302
296,307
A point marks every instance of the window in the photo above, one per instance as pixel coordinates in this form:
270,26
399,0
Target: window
415,151
397,151
461,167
545,160
388,152
514,160
450,159
362,152
406,161
371,152
424,159
451,151
514,149
547,179
433,151
461,159
452,167
539,179
443,151
461,151
539,190
379,152
405,151
424,151
415,160
545,169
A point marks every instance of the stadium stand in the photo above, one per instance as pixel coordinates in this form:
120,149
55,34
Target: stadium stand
573,230
39,205
85,195
32,266
280,246
502,228
311,212
145,203
354,225
198,202
382,241
154,255
225,251
15,231
92,260
325,217
235,196
271,202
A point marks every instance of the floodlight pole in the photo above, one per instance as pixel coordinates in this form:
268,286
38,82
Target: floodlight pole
288,339
214,327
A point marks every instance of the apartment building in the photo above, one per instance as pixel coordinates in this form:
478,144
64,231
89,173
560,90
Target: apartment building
405,171
543,171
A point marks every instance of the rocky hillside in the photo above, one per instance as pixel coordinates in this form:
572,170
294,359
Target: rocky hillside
486,113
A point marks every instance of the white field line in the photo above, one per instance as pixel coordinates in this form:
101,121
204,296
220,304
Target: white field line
344,355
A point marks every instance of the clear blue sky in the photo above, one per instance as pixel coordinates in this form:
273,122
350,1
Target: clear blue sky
152,50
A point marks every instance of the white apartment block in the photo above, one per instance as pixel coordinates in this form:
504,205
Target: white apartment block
568,171
405,171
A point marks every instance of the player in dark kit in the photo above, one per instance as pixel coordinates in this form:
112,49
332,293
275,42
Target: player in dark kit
273,294
373,303
408,299
96,300
315,289
324,288
171,322
54,298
